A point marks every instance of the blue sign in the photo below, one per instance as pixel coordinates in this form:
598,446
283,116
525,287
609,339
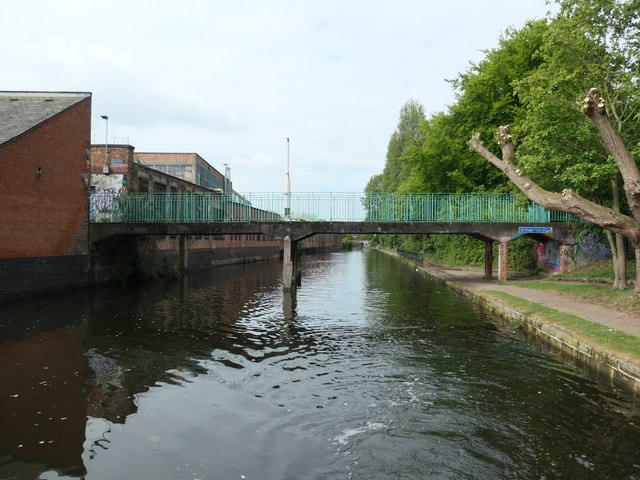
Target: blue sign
535,229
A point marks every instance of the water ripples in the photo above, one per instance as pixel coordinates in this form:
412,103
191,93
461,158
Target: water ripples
370,371
393,375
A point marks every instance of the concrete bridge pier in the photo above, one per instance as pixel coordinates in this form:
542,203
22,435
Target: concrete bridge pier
502,261
290,274
488,259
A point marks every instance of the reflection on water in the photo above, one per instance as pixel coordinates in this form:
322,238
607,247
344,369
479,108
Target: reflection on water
368,371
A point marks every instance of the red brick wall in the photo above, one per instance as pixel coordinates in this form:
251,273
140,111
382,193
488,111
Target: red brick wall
120,158
45,214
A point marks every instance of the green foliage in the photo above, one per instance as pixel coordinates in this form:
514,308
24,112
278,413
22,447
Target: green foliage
465,251
374,185
532,82
454,250
590,43
402,146
432,155
521,255
486,98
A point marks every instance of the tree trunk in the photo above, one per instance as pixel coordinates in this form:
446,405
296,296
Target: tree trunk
636,290
620,271
618,255
594,108
618,260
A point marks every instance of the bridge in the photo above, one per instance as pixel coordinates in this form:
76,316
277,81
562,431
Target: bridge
295,216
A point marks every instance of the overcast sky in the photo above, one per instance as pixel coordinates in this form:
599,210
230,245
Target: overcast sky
231,80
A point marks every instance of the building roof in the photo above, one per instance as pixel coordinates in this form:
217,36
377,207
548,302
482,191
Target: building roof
21,111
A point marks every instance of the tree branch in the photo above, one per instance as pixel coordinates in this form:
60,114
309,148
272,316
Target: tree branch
567,201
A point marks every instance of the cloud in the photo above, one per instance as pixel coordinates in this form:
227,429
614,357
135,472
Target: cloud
232,80
73,54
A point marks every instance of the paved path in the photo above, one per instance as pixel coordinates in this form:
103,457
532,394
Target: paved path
623,321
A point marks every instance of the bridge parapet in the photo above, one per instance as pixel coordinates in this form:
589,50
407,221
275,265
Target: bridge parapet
195,207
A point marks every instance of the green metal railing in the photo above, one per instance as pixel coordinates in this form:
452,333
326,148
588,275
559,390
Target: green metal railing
332,207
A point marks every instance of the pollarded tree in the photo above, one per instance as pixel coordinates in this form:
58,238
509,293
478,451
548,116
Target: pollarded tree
589,42
569,201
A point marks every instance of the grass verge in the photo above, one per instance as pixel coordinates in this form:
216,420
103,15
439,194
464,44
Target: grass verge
600,271
589,292
596,334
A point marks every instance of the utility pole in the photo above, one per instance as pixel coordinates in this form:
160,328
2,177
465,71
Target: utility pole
105,169
287,188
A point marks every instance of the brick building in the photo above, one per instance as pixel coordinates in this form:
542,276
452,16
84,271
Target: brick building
47,169
128,174
44,154
129,171
190,167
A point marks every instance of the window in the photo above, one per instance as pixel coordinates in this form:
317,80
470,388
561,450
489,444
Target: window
206,178
180,171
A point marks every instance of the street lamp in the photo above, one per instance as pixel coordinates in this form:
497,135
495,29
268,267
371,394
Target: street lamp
287,188
105,169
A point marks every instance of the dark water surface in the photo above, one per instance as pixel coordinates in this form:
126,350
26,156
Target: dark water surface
371,372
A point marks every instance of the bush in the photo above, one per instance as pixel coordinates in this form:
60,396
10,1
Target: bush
454,250
521,255
465,251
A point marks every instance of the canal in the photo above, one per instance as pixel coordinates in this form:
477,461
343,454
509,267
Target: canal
371,371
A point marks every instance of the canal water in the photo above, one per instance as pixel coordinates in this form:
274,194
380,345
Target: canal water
371,371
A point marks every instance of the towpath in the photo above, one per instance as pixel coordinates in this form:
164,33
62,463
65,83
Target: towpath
628,322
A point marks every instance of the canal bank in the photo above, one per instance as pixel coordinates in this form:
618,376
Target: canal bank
615,367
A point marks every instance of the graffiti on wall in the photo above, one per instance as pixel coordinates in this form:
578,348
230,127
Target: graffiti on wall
552,255
555,256
101,182
105,191
591,246
103,200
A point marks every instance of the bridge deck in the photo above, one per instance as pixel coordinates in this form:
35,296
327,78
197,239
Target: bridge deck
296,230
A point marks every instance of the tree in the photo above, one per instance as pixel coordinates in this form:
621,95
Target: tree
432,154
371,199
569,201
406,138
436,157
589,42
